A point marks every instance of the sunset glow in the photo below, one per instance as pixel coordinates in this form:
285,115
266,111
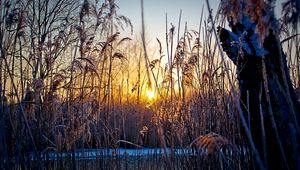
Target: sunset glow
150,94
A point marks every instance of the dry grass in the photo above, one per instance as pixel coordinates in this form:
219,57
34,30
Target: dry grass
83,85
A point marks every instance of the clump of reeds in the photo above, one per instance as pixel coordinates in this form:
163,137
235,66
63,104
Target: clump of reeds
78,84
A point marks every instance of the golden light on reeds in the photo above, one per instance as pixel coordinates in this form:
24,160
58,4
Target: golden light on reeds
150,93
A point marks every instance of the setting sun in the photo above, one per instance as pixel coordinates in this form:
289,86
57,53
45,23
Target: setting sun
150,94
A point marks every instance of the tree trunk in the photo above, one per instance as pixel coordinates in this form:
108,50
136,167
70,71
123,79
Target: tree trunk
3,149
267,97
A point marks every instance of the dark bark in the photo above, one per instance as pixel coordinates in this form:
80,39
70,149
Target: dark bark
278,99
3,149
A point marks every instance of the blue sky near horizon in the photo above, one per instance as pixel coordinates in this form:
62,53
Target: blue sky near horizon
155,14
155,18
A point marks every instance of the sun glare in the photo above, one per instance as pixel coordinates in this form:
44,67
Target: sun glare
150,94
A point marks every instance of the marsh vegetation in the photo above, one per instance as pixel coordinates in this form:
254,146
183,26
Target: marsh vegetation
71,83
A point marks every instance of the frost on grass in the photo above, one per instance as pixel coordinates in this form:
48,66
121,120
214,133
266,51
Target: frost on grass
250,26
246,38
